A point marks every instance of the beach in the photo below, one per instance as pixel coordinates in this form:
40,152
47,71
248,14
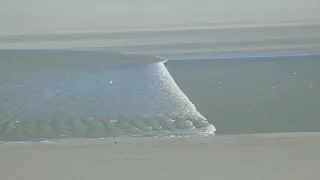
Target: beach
264,156
159,90
224,115
97,113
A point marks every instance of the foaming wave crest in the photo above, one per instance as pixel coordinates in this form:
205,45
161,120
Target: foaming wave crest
71,94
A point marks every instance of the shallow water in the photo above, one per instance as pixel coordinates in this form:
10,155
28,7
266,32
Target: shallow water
254,95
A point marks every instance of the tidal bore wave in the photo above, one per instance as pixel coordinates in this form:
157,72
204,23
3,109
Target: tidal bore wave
74,94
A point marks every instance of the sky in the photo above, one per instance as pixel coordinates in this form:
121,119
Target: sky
50,16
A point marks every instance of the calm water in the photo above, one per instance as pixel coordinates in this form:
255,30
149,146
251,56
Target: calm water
256,95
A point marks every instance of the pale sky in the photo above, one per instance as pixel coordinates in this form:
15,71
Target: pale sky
49,16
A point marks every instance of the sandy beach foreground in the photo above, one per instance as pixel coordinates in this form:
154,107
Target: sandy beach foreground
264,156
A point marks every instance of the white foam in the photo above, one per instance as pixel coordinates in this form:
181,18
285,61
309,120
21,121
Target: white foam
69,93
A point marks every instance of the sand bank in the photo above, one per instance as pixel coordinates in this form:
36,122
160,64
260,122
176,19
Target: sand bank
265,156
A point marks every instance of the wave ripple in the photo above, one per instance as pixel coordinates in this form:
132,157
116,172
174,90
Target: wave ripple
70,94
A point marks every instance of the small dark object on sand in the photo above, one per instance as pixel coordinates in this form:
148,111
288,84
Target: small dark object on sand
115,142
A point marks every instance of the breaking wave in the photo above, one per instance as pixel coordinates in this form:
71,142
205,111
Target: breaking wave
70,94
